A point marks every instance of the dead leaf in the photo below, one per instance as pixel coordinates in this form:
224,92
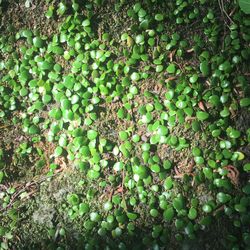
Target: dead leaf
170,78
171,55
202,106
233,174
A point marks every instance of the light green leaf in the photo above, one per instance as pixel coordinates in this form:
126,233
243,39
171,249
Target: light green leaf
245,6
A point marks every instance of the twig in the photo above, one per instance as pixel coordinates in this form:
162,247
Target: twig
24,187
222,8
232,12
3,187
5,126
189,118
218,209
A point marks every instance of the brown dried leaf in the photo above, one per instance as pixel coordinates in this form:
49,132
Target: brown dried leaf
202,106
233,174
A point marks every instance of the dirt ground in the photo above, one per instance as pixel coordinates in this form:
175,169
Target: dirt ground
43,207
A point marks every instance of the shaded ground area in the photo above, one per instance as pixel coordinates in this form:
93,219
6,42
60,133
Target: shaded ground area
17,17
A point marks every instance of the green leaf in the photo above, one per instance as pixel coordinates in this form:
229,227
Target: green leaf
193,78
85,151
168,184
26,33
23,91
246,167
169,94
73,199
245,6
226,66
171,68
159,68
147,118
107,206
167,164
223,198
145,147
240,208
133,90
137,7
246,189
141,171
1,176
225,112
135,138
92,174
204,68
245,102
124,36
162,130
33,129
216,132
199,160
83,208
207,208
61,9
178,203
132,216
58,151
234,133
159,17
155,168
151,41
123,135
173,140
214,100
192,214
68,82
201,115
118,166
154,212
38,42
142,13
208,173
135,76
155,139
139,39
168,214
44,65
121,113
85,23
49,12
181,104
65,104
92,134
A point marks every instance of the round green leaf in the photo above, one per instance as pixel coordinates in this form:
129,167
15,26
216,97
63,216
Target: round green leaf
168,214
135,76
92,134
159,17
38,42
246,167
58,151
171,68
92,174
168,183
201,115
192,213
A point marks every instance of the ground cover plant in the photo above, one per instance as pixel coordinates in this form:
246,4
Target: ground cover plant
124,124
